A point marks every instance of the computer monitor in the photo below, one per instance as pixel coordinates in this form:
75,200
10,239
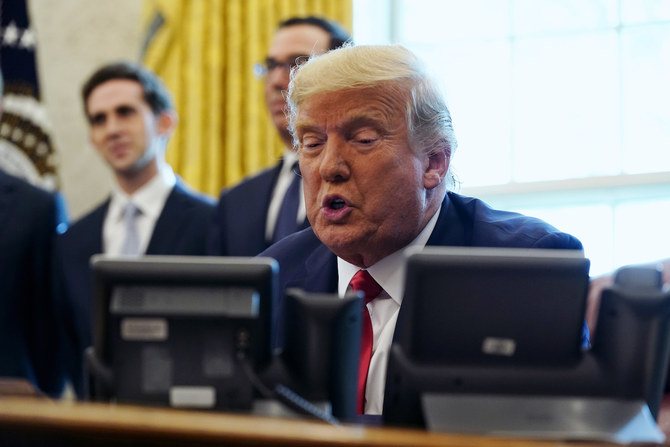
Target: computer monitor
494,306
322,335
477,310
180,330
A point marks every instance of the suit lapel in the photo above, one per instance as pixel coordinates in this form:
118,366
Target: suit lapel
305,224
317,272
260,220
254,198
169,222
450,229
96,240
83,240
90,242
321,271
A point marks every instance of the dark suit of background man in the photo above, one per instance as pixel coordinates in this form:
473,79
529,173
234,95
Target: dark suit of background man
375,141
247,215
131,117
29,220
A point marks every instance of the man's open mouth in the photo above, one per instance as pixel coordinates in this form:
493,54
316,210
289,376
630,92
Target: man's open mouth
337,204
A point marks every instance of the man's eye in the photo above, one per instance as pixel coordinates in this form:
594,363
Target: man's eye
310,142
97,120
271,64
311,145
366,137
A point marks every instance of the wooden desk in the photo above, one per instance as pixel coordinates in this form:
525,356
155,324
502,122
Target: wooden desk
29,421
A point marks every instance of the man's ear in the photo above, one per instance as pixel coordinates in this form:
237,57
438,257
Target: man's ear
436,169
167,121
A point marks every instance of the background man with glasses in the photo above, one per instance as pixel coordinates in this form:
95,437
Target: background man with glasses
264,208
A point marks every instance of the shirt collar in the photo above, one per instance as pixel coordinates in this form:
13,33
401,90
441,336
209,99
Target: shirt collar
390,271
290,158
150,198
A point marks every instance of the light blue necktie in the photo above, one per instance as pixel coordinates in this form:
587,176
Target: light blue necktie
131,243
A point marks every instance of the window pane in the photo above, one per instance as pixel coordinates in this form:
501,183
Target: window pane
646,98
440,21
642,11
476,78
641,232
543,16
371,22
566,107
544,90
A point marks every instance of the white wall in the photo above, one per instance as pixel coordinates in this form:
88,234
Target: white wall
74,37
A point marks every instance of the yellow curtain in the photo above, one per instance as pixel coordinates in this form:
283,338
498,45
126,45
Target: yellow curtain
204,51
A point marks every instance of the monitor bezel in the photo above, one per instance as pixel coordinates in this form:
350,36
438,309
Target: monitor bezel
484,260
191,271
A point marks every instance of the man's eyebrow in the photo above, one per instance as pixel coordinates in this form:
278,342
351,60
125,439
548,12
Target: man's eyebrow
304,127
95,115
350,124
124,107
368,120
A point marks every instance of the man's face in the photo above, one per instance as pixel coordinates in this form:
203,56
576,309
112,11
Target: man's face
366,192
288,44
124,129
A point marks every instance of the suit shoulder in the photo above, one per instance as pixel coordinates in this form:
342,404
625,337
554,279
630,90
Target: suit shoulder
295,246
32,204
494,227
251,185
92,219
193,198
25,189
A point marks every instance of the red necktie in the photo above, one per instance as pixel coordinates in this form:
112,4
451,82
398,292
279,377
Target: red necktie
364,282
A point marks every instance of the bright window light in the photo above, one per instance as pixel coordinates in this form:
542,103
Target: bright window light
560,109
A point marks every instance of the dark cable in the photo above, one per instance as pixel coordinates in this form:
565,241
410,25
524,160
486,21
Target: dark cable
256,382
296,402
284,395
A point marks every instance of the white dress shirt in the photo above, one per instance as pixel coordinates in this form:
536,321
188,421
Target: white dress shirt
283,182
390,274
150,200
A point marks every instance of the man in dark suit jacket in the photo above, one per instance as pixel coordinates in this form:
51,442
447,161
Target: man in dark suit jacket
29,220
375,140
150,212
247,214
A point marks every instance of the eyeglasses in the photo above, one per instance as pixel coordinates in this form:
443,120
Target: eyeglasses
262,69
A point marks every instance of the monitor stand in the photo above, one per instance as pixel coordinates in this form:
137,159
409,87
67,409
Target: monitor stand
542,417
